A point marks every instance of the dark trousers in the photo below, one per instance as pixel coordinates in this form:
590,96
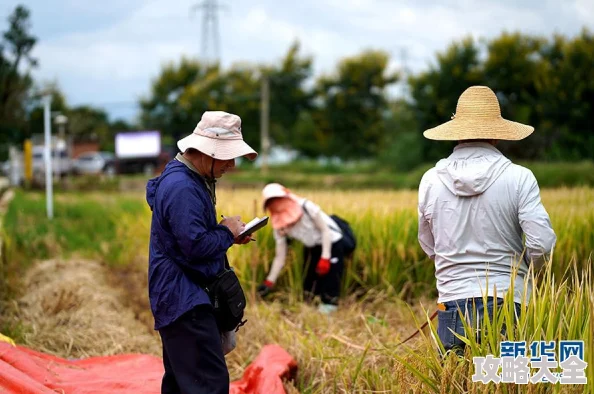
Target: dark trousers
193,355
474,310
327,286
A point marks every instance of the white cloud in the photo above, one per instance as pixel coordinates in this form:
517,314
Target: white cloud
132,48
119,59
271,37
585,11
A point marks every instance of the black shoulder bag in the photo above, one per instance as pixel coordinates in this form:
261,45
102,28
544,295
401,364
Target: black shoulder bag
227,299
349,241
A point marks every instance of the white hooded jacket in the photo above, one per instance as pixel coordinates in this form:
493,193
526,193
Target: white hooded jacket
474,208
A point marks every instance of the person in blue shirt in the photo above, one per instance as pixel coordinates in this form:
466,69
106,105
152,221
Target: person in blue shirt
187,247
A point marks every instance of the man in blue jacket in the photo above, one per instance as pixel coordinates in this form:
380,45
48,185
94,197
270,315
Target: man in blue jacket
187,247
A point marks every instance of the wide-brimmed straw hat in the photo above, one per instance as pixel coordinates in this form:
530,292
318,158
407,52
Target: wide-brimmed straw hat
218,134
478,116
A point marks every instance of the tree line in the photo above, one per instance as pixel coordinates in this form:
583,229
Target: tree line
21,111
547,82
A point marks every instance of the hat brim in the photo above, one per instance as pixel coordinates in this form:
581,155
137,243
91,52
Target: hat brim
217,148
470,129
267,199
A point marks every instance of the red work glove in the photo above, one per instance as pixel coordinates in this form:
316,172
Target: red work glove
265,288
323,266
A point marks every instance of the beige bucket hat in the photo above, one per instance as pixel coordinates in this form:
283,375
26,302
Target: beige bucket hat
218,134
287,211
478,116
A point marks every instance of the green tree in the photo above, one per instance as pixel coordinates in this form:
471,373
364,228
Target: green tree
512,68
161,110
566,98
436,91
290,101
403,148
545,83
309,139
15,50
181,93
86,123
236,91
352,103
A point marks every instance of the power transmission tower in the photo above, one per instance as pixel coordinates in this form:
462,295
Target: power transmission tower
210,38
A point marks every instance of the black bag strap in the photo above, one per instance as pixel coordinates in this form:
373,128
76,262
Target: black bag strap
199,279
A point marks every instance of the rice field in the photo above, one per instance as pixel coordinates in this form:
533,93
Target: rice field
388,291
388,255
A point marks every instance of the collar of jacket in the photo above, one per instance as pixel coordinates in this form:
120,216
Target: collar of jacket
467,149
210,183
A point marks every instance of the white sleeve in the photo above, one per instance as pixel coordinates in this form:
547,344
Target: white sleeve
317,217
535,222
279,257
425,234
321,224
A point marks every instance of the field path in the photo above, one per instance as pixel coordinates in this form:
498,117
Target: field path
70,309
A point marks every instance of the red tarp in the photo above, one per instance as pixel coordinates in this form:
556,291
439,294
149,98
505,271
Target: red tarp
264,375
29,372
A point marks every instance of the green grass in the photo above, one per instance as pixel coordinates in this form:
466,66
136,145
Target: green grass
83,224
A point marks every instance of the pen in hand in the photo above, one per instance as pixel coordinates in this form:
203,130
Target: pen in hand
225,217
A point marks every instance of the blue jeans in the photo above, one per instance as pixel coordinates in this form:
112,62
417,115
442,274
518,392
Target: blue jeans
473,309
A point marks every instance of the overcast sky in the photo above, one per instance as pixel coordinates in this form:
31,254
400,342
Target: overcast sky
106,52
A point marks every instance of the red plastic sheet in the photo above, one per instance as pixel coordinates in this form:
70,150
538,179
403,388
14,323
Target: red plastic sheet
264,375
29,372
25,371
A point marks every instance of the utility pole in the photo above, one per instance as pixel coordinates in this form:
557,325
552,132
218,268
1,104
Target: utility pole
210,45
49,192
264,120
404,66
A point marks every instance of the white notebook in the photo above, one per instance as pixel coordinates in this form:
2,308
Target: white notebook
253,225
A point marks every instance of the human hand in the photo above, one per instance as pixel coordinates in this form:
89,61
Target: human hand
234,224
244,240
229,341
265,288
323,267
